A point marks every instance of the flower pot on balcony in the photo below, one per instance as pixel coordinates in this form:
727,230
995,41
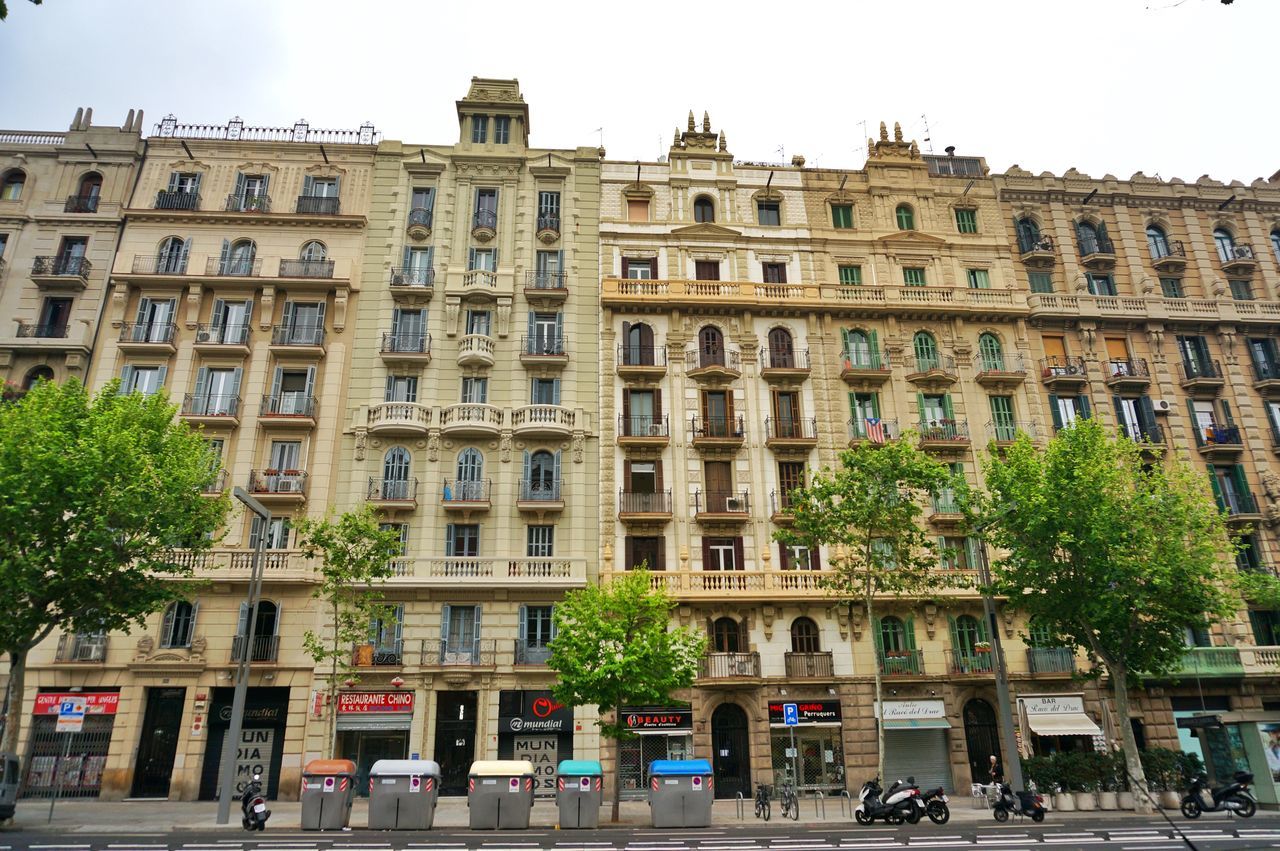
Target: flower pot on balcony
1065,802
1108,801
1086,802
1125,801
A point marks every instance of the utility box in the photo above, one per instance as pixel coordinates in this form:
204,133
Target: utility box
328,788
579,793
680,793
500,794
403,793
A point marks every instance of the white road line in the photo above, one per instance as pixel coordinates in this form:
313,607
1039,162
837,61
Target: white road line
59,846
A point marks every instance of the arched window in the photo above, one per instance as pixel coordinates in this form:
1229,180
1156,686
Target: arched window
860,352
90,186
1039,635
1157,242
395,473
703,209
178,624
926,350
542,476
238,258
906,217
1028,234
727,636
1275,242
893,635
804,636
313,251
35,375
782,352
1226,244
264,641
11,187
1090,238
990,353
171,258
966,635
470,479
710,346
638,344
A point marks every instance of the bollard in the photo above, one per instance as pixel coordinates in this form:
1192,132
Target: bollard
740,803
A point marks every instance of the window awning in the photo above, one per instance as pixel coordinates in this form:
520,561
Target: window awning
917,724
1063,724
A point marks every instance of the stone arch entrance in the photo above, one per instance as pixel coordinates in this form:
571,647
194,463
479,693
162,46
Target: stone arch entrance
731,752
981,738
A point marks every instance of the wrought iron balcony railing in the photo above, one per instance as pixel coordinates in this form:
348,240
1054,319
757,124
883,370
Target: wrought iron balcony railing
166,200
306,268
319,205
248,203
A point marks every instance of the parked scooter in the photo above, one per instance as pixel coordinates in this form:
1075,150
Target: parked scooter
935,805
1018,803
900,803
253,806
1232,798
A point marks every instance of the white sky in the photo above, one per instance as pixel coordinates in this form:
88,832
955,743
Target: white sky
1175,88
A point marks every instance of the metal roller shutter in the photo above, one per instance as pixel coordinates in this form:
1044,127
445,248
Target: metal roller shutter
917,753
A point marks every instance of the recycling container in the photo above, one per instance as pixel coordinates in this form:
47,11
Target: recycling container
8,785
500,794
328,788
680,793
579,792
402,794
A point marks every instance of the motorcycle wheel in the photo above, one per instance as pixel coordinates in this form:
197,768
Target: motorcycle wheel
1190,808
1247,807
1001,814
246,824
1037,816
862,817
938,813
912,815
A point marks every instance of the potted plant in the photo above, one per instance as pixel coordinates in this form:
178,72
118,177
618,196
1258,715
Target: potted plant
1119,770
982,647
1041,776
1068,781
1105,769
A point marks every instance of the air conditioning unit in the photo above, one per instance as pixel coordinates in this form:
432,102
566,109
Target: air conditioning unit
735,503
1162,406
204,336
288,484
91,652
399,280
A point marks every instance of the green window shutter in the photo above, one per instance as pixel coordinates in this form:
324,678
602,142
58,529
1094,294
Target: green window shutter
853,408
947,410
874,342
909,632
982,629
1147,413
875,405
1054,412
877,636
1238,478
1227,419
955,633
920,410
1041,282
1217,491
844,343
1083,402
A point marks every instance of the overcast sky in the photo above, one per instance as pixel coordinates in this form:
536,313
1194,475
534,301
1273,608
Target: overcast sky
1172,88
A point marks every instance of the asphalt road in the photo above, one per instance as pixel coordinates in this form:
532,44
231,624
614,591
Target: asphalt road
1134,835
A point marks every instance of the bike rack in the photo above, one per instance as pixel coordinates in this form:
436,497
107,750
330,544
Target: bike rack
845,800
740,803
819,800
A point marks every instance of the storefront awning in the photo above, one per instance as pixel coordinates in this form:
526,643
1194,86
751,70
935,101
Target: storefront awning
1063,724
917,724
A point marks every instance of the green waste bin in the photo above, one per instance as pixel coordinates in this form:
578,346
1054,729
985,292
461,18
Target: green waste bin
500,794
403,793
328,788
579,792
680,793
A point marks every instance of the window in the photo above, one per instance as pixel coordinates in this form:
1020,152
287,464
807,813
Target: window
54,315
4,242
804,636
926,351
774,273
540,541
1065,410
797,558
1195,356
277,533
1241,290
1226,244
229,322
990,353
637,209
639,270
706,270
645,552
642,413
1231,489
177,625
1092,239
727,636
1040,635
1266,360
71,254
1275,243
842,215
320,187
402,530
549,206
501,130
536,625
89,191
643,477
460,633
475,391
913,277
1172,288
462,540
486,214
1266,628
906,217
894,637
966,633
967,221
1101,284
1028,234
979,279
146,380
710,346
237,258
217,392
957,553
251,194
864,409
1157,242
184,183
313,252
541,475
1041,282
544,391
470,467
638,347
703,209
782,351
1002,421
11,188
721,553
395,473
421,202
479,129
479,322
861,349
1247,555
769,213
850,276
35,375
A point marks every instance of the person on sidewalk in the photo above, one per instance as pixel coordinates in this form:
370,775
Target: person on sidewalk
996,773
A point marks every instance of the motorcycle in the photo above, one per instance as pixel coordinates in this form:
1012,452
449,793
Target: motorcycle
1020,803
935,805
900,803
1232,798
253,806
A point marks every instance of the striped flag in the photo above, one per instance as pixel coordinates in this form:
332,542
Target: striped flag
875,430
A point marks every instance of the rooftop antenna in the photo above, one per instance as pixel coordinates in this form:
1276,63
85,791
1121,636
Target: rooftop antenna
863,125
927,135
782,153
600,130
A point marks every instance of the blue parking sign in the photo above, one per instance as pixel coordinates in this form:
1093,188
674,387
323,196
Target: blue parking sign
790,714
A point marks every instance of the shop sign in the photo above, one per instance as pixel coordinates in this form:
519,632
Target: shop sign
658,719
95,702
544,753
253,756
907,710
808,712
360,702
1052,704
541,714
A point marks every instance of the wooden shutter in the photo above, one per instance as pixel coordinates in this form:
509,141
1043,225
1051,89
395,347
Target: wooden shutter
662,555
744,639
1055,348
445,610
523,634
706,551
629,552
1117,348
657,475
653,267
657,405
626,477
815,558
877,636
909,632
1147,413
739,559
240,183
1083,401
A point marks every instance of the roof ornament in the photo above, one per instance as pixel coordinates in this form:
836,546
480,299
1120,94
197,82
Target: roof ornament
706,122
897,132
884,132
692,126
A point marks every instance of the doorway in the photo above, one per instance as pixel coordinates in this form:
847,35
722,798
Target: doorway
731,753
364,748
455,739
982,738
161,725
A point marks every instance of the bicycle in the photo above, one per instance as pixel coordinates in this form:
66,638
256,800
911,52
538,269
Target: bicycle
790,802
762,802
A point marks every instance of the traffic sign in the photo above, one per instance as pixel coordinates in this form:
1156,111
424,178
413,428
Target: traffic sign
71,715
790,714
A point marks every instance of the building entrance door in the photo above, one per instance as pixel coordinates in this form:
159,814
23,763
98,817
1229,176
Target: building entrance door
160,728
982,739
730,751
455,739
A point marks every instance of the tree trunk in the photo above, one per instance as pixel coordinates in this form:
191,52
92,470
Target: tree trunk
875,668
17,687
617,763
333,688
1133,764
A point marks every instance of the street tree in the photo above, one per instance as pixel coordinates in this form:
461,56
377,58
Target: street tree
96,494
356,558
614,646
1110,551
868,514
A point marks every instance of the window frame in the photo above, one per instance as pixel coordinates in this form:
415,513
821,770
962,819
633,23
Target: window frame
966,220
842,216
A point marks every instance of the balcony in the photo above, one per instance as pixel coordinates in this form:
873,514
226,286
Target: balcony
729,666
972,663
1064,374
465,495
262,648
1266,377
81,647
411,285
1003,434
780,503
548,227
643,430
248,203
945,511
236,564
451,572
644,507
1201,379
382,654
1000,372
783,434
1127,374
318,205
215,411
944,435
411,348
718,433
782,366
544,350
475,350
1150,439
546,286
148,337
872,430
169,265
393,493
1237,259
721,506
446,653
484,225
169,200
1218,442
809,666
547,421
526,654
234,267
419,222
484,280
540,495
901,663
42,331
81,204
1097,254
306,268
290,409
216,485
866,368
222,339
1037,252
279,486
475,420
933,373
715,365
1240,507
64,273
1051,661
1170,257
399,418
1209,663
642,361
760,585
299,340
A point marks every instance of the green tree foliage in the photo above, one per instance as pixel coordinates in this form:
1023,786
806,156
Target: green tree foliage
1111,552
95,494
355,560
868,513
615,646
4,9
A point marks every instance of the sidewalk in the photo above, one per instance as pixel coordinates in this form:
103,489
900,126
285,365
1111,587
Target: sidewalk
451,814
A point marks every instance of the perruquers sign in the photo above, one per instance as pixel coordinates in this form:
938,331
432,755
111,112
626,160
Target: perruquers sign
356,702
904,710
1052,704
95,702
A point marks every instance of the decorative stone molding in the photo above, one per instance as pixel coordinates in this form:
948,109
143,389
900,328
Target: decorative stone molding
340,297
268,308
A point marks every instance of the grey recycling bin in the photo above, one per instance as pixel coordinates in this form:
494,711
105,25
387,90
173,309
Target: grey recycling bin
500,794
579,792
403,793
680,793
328,788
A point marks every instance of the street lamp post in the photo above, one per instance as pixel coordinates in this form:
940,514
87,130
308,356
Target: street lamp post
1009,748
230,745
